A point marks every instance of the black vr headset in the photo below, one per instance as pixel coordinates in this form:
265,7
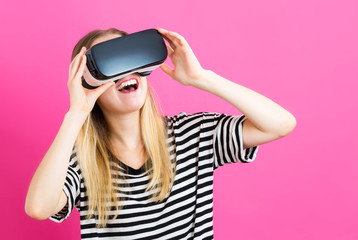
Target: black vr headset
139,52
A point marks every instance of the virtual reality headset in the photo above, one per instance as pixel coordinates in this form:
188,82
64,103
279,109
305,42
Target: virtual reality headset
139,52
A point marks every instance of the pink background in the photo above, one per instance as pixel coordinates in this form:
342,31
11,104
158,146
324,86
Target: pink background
301,54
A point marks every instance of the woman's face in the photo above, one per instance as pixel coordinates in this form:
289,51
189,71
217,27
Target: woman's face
113,100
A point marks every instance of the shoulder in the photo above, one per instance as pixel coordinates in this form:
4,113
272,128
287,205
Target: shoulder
183,116
184,119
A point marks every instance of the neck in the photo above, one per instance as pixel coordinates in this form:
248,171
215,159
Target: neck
124,130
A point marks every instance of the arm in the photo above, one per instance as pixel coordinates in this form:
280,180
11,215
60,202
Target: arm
266,121
45,196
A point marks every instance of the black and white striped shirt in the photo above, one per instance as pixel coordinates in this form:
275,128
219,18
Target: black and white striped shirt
201,142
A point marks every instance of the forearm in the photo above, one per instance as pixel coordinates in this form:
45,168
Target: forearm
47,183
264,114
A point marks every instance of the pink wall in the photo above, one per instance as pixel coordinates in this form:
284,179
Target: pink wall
301,54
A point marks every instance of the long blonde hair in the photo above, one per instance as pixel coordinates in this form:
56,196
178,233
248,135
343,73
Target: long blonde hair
95,153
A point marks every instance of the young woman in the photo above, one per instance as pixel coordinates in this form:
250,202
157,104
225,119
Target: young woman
134,173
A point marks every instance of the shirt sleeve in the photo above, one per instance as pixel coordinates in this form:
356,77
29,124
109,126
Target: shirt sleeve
228,141
71,188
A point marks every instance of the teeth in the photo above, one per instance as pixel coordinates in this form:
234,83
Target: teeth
130,82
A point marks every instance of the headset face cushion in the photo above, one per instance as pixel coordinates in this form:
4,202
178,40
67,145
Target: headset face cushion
145,73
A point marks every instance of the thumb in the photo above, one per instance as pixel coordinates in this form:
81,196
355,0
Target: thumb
101,89
167,69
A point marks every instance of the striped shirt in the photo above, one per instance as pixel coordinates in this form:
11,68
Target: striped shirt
199,143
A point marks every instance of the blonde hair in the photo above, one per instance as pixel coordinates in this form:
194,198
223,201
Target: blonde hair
95,153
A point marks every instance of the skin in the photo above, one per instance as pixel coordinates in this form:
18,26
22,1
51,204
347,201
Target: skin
266,121
121,111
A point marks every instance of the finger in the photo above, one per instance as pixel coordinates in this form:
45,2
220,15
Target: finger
164,34
80,71
75,62
78,54
169,49
168,70
83,50
76,80
174,37
171,43
101,89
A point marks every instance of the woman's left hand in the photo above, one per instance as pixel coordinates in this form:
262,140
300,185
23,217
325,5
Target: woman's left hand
188,70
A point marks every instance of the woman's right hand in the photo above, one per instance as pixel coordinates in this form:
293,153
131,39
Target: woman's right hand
82,100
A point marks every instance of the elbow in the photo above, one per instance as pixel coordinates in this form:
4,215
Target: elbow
288,126
35,212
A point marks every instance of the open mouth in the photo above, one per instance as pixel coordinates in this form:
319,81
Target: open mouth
128,86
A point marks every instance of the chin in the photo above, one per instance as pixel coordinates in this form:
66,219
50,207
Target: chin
129,110
111,103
